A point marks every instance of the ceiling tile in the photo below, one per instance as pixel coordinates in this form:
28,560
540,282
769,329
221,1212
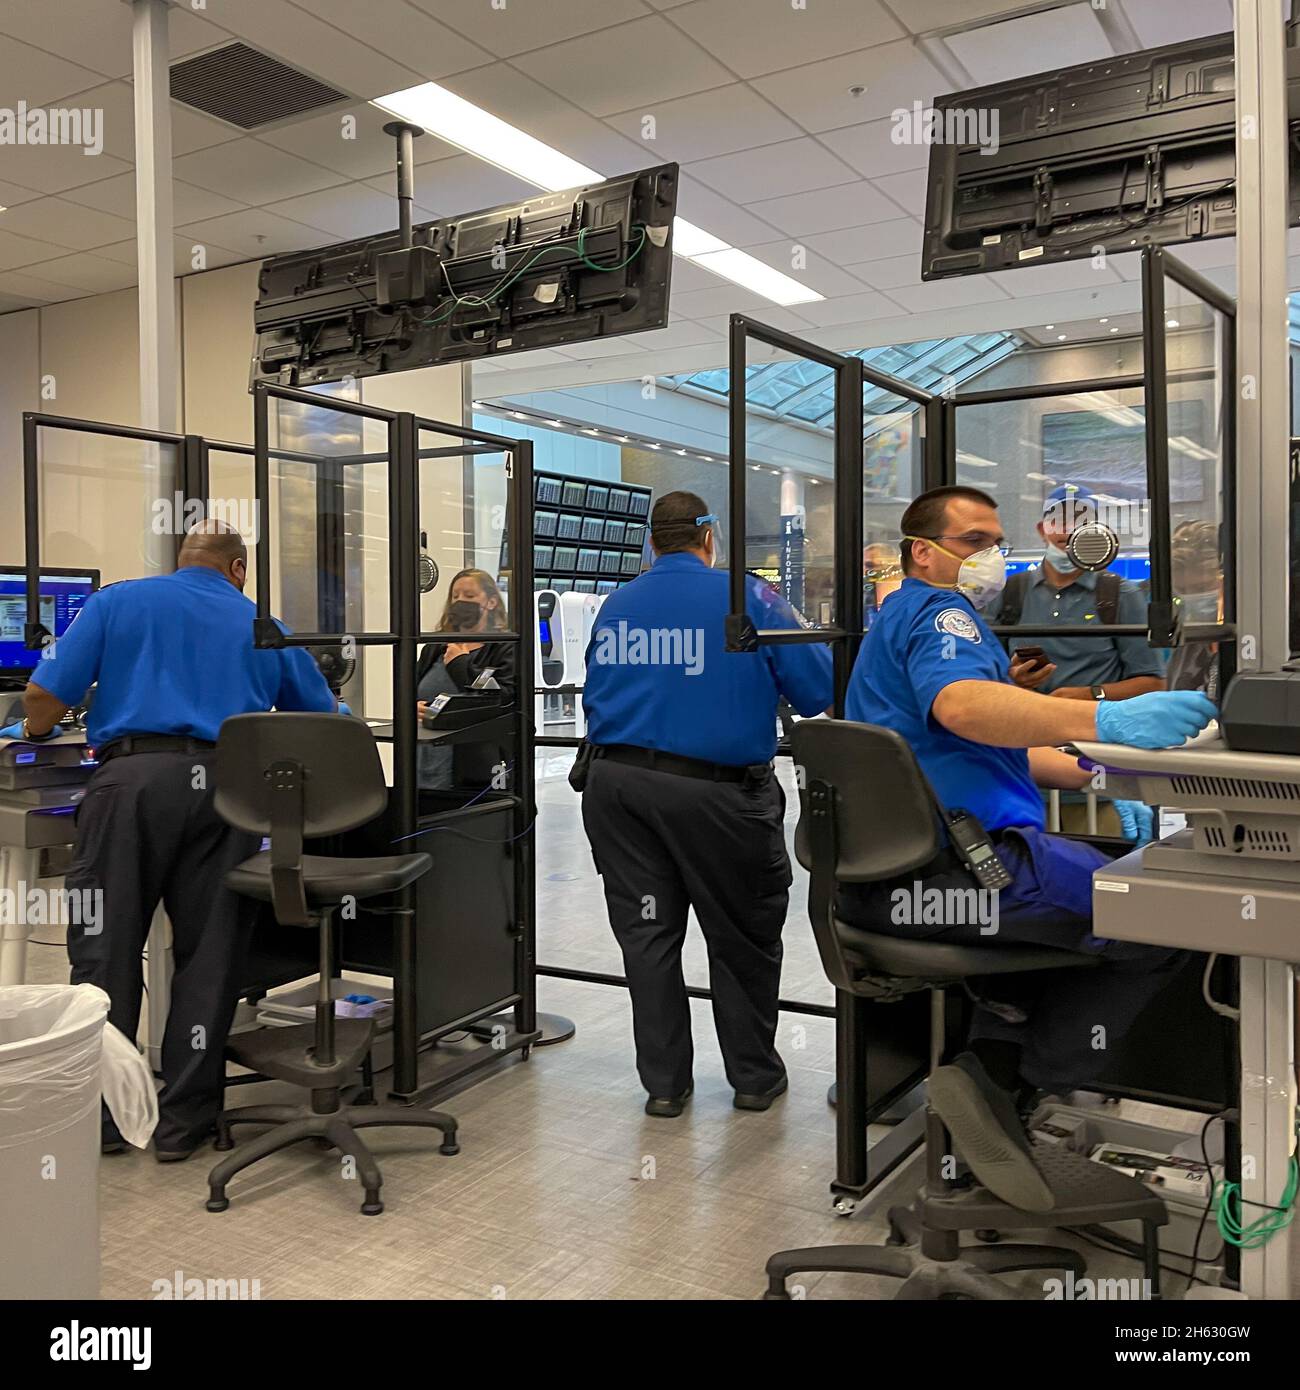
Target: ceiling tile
405,33
849,308
61,223
796,166
1156,22
97,33
190,130
12,303
759,36
849,205
510,95
773,315
251,172
317,48
1030,43
597,71
117,195
724,298
459,185
1210,255
818,97
710,123
872,150
358,149
520,26
32,287
807,267
924,16
11,195
355,210
719,215
32,75
907,190
256,233
84,271
889,273
618,345
875,242
182,254
947,294
55,168
18,250
1051,279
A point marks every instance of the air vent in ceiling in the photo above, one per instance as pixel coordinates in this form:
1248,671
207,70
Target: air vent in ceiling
238,84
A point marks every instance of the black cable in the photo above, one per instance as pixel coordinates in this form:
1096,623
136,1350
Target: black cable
1209,1201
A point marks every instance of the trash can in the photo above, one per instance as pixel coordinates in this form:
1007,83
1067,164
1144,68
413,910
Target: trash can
50,1044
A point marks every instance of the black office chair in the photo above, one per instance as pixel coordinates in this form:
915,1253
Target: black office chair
297,776
868,816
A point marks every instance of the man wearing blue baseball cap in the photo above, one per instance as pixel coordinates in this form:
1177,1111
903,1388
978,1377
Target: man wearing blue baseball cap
1077,668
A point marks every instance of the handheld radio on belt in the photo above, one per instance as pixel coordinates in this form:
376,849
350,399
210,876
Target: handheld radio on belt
974,848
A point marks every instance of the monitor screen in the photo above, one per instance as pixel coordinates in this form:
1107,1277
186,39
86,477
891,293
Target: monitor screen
62,594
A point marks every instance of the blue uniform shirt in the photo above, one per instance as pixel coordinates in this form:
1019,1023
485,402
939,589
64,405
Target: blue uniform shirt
923,639
1084,660
659,675
174,654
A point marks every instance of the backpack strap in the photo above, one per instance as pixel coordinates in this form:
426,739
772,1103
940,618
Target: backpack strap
1108,593
1013,599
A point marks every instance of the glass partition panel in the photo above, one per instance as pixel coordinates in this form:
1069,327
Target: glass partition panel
892,447
108,504
790,492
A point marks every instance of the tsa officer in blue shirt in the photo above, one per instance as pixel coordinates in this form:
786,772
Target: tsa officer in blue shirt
171,657
931,669
682,807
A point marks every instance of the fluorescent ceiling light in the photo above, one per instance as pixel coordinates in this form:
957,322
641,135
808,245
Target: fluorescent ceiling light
461,123
755,275
478,132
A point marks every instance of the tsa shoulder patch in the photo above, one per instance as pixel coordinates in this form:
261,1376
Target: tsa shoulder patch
957,622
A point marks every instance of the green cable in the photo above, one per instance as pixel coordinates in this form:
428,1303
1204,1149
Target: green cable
1260,1232
482,301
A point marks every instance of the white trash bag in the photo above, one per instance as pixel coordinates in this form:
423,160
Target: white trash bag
55,1064
129,1091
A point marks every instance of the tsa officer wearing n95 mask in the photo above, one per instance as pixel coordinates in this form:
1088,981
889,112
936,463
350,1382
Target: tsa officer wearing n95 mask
932,670
682,807
172,657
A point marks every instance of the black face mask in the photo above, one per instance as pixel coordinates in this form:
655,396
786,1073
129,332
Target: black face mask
464,615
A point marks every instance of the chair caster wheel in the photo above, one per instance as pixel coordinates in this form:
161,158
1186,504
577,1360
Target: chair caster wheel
449,1146
988,1237
372,1208
223,1143
844,1206
773,1297
217,1203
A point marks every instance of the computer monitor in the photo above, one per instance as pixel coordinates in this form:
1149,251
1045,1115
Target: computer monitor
63,591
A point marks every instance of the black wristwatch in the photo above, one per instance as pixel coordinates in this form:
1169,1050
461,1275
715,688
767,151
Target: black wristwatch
1098,692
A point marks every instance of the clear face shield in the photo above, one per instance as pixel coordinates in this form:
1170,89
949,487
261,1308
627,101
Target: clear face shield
714,522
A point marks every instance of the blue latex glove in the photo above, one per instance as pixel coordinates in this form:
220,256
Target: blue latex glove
1136,821
1162,719
15,730
344,707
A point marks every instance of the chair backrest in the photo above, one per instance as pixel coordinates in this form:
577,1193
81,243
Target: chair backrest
885,819
342,781
866,816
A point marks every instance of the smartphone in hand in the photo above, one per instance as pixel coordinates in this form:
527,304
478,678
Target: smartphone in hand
1035,656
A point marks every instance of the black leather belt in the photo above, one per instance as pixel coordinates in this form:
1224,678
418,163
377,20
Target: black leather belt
678,766
153,743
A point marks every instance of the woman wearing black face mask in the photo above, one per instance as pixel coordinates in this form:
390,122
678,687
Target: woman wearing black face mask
474,606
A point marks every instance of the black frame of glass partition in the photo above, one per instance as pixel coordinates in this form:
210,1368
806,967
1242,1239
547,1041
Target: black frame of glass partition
1162,628
404,637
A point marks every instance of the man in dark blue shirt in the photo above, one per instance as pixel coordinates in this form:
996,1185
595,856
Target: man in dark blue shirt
931,669
171,657
682,807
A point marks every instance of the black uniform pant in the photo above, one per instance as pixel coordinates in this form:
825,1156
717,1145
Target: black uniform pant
663,844
147,832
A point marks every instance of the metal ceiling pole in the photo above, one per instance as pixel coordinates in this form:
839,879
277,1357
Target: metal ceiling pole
1262,463
153,215
158,354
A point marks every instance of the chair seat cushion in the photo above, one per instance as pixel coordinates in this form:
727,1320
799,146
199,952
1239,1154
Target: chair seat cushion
942,960
328,881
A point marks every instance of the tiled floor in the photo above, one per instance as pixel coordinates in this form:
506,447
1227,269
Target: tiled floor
563,1189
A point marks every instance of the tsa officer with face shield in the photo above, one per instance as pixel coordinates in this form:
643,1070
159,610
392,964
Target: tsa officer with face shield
682,807
932,670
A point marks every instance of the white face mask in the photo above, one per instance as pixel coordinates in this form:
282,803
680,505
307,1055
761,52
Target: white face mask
1059,560
982,576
